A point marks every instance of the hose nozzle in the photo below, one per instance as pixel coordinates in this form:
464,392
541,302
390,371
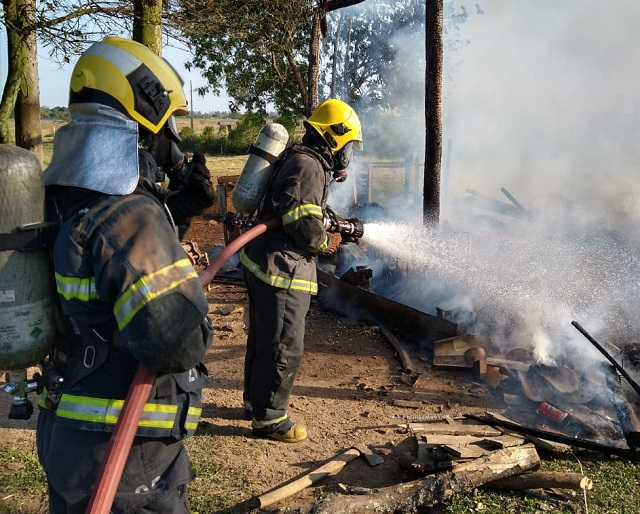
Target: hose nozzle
352,228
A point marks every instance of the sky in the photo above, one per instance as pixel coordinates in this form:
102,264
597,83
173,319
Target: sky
54,80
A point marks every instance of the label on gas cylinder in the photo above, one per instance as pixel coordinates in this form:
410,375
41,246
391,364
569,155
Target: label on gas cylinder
21,324
7,296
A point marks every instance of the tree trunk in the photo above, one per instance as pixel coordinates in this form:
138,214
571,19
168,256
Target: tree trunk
346,90
433,112
147,23
28,130
17,60
314,62
334,64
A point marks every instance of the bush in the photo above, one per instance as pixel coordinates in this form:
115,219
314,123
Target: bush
245,132
292,123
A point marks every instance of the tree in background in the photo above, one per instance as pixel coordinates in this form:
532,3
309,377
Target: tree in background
261,52
364,51
65,28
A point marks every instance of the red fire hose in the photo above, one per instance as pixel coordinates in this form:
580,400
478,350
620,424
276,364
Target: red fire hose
109,475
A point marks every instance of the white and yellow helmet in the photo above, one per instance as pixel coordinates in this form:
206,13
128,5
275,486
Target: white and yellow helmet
131,78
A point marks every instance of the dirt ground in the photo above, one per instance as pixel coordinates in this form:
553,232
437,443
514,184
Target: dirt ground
345,392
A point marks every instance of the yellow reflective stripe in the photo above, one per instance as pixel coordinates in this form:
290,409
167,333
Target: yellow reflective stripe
308,209
263,424
296,284
107,411
149,287
74,288
325,245
193,415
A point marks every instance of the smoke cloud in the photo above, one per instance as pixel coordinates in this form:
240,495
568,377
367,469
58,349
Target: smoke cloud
539,99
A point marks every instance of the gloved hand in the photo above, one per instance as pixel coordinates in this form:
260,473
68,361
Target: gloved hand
193,194
199,183
193,183
335,240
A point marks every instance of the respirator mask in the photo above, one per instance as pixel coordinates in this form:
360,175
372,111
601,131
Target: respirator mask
342,159
163,146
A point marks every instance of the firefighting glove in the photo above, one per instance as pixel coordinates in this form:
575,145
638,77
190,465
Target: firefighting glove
192,198
334,241
192,185
199,185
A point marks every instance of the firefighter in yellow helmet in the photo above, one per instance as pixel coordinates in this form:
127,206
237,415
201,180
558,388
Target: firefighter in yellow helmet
127,293
280,265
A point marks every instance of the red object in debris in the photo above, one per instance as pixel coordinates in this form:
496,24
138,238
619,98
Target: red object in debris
554,414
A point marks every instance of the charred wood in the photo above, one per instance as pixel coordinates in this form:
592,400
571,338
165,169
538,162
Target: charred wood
627,418
411,497
613,362
403,355
560,438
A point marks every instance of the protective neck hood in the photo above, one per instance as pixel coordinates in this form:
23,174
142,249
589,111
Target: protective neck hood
97,150
315,145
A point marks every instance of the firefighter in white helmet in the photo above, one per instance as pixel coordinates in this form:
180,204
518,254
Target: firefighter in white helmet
127,292
280,265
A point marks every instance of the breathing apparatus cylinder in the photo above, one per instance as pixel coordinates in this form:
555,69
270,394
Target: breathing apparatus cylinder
254,178
26,299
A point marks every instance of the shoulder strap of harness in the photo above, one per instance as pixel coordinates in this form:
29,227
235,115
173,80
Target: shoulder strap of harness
33,236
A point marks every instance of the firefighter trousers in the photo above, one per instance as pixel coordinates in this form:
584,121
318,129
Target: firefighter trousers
275,345
154,480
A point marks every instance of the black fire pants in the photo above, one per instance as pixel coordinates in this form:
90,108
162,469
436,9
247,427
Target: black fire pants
275,345
154,480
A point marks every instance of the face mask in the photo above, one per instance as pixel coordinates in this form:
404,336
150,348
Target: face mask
164,149
343,157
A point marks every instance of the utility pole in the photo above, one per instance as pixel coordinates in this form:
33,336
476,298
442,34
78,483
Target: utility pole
191,103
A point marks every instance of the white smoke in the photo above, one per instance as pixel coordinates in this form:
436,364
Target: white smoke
539,99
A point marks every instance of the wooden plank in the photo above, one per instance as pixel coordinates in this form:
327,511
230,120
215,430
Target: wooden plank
457,345
444,439
504,441
457,429
508,364
463,451
408,403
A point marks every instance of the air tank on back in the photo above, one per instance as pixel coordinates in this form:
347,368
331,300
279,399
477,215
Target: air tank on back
26,298
257,171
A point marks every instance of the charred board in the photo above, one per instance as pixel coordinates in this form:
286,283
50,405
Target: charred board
357,303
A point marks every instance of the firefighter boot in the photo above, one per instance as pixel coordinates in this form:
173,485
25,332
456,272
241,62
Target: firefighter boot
286,431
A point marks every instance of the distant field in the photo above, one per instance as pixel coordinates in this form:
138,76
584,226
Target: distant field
49,128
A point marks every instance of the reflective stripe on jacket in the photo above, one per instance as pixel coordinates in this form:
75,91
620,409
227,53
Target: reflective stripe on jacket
160,418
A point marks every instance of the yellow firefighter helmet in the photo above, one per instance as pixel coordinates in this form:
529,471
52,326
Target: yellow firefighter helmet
337,123
129,77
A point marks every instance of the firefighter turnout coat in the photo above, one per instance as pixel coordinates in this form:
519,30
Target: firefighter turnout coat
128,295
285,257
